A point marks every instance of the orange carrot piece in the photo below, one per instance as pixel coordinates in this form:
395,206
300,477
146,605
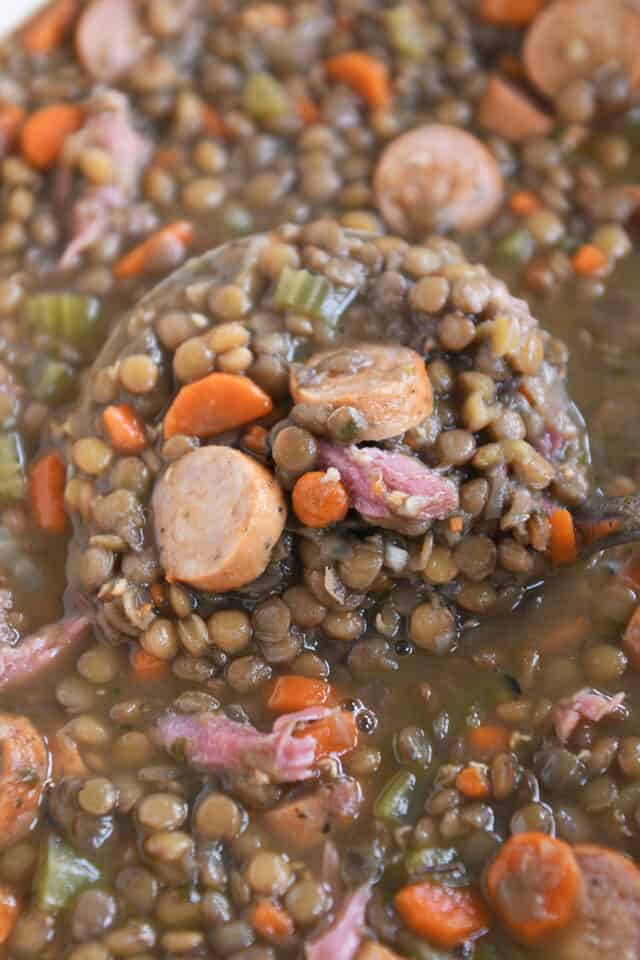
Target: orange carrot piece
563,546
307,111
265,16
513,879
292,692
589,260
45,131
144,257
512,12
456,524
218,402
271,922
370,950
566,637
365,74
446,916
335,734
148,668
45,32
631,639
213,123
46,493
12,118
487,740
524,202
255,439
319,501
125,429
10,910
473,783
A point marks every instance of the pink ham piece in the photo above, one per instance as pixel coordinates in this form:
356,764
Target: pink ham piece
343,938
382,484
214,742
584,705
110,38
39,651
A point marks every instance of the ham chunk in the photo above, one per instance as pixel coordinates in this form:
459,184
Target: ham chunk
383,484
343,938
387,384
38,652
585,705
110,38
213,742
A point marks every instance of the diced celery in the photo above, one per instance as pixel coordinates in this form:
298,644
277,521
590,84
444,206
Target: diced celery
12,474
517,245
65,317
429,859
62,873
311,294
405,32
392,803
50,380
265,98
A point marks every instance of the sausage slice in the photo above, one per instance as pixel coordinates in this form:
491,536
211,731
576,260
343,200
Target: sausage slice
609,921
389,385
570,39
437,176
217,515
507,111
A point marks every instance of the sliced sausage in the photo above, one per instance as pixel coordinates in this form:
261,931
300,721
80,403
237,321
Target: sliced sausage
24,761
571,39
608,925
109,38
437,176
389,385
218,514
507,111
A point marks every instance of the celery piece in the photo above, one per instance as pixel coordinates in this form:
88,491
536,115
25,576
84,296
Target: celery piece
65,317
50,380
405,32
392,803
12,474
264,97
311,294
62,873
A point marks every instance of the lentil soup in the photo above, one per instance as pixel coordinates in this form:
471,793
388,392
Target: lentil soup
318,335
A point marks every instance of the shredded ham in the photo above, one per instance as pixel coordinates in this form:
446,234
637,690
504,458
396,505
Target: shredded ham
584,705
214,742
19,664
343,938
110,38
382,483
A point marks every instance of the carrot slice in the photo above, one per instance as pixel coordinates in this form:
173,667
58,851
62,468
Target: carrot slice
45,131
307,111
213,123
487,740
534,885
45,32
173,239
507,111
46,493
125,429
9,912
11,120
271,922
473,783
563,545
446,916
318,500
335,734
524,202
291,693
589,260
513,12
219,402
365,74
148,668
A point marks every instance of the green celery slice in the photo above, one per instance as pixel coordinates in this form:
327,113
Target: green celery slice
62,873
392,803
265,98
51,380
65,317
12,473
311,294
405,32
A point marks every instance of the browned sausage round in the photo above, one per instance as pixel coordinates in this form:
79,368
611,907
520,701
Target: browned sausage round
437,176
608,925
389,385
217,515
570,39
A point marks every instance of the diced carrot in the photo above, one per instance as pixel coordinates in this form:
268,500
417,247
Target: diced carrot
149,668
307,111
631,639
524,202
271,922
125,429
265,16
563,546
255,439
318,500
504,109
370,950
335,734
46,493
472,782
9,912
533,910
589,260
213,123
12,118
66,760
456,524
566,637
487,740
365,74
146,255
44,133
45,32
514,12
446,916
292,692
218,402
